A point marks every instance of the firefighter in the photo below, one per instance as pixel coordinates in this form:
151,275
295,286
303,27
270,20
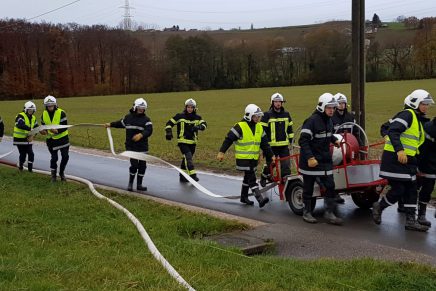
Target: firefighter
316,163
399,161
57,139
24,123
427,170
2,129
138,129
340,117
249,137
188,124
277,124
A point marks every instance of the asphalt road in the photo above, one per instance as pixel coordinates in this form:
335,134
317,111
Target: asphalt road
358,237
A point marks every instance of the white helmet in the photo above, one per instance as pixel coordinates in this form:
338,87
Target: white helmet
417,97
29,105
341,98
191,102
49,101
250,110
140,103
277,97
326,99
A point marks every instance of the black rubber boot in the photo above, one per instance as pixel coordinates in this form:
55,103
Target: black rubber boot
401,208
20,167
182,179
262,200
139,186
329,213
130,185
194,177
244,195
30,167
377,209
307,212
339,199
412,224
62,176
53,176
422,210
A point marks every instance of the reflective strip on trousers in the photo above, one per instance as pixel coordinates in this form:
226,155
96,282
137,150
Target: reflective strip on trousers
398,175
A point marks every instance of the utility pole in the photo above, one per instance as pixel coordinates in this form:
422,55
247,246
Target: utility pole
358,61
127,21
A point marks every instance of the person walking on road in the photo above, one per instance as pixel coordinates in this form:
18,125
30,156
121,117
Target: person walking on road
427,170
138,129
57,139
24,123
189,123
316,163
399,159
249,138
277,124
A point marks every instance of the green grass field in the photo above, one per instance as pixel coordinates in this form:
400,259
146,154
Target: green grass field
220,108
60,237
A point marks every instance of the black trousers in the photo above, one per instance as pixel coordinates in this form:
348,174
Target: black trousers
326,182
427,186
137,166
55,157
26,150
405,190
187,151
250,180
285,165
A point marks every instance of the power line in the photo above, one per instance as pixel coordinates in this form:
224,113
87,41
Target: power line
56,9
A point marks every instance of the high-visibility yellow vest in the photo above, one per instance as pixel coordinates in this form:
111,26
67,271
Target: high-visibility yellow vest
411,139
248,147
56,121
22,133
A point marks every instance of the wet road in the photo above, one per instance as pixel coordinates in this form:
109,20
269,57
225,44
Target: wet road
163,182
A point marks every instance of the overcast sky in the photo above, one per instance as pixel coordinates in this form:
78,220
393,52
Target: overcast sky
212,14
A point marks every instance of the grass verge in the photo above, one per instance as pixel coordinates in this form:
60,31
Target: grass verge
61,237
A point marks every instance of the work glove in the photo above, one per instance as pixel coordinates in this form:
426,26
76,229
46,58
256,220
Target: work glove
312,162
107,125
54,131
195,128
169,135
43,132
220,156
30,138
137,137
402,157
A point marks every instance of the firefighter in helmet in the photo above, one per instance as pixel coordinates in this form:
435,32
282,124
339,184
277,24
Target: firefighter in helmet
399,160
316,163
24,123
189,123
249,138
138,129
277,124
57,139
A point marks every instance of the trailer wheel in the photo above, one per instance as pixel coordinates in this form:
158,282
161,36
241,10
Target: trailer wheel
365,199
294,196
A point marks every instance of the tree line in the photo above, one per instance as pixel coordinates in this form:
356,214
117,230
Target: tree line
74,60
